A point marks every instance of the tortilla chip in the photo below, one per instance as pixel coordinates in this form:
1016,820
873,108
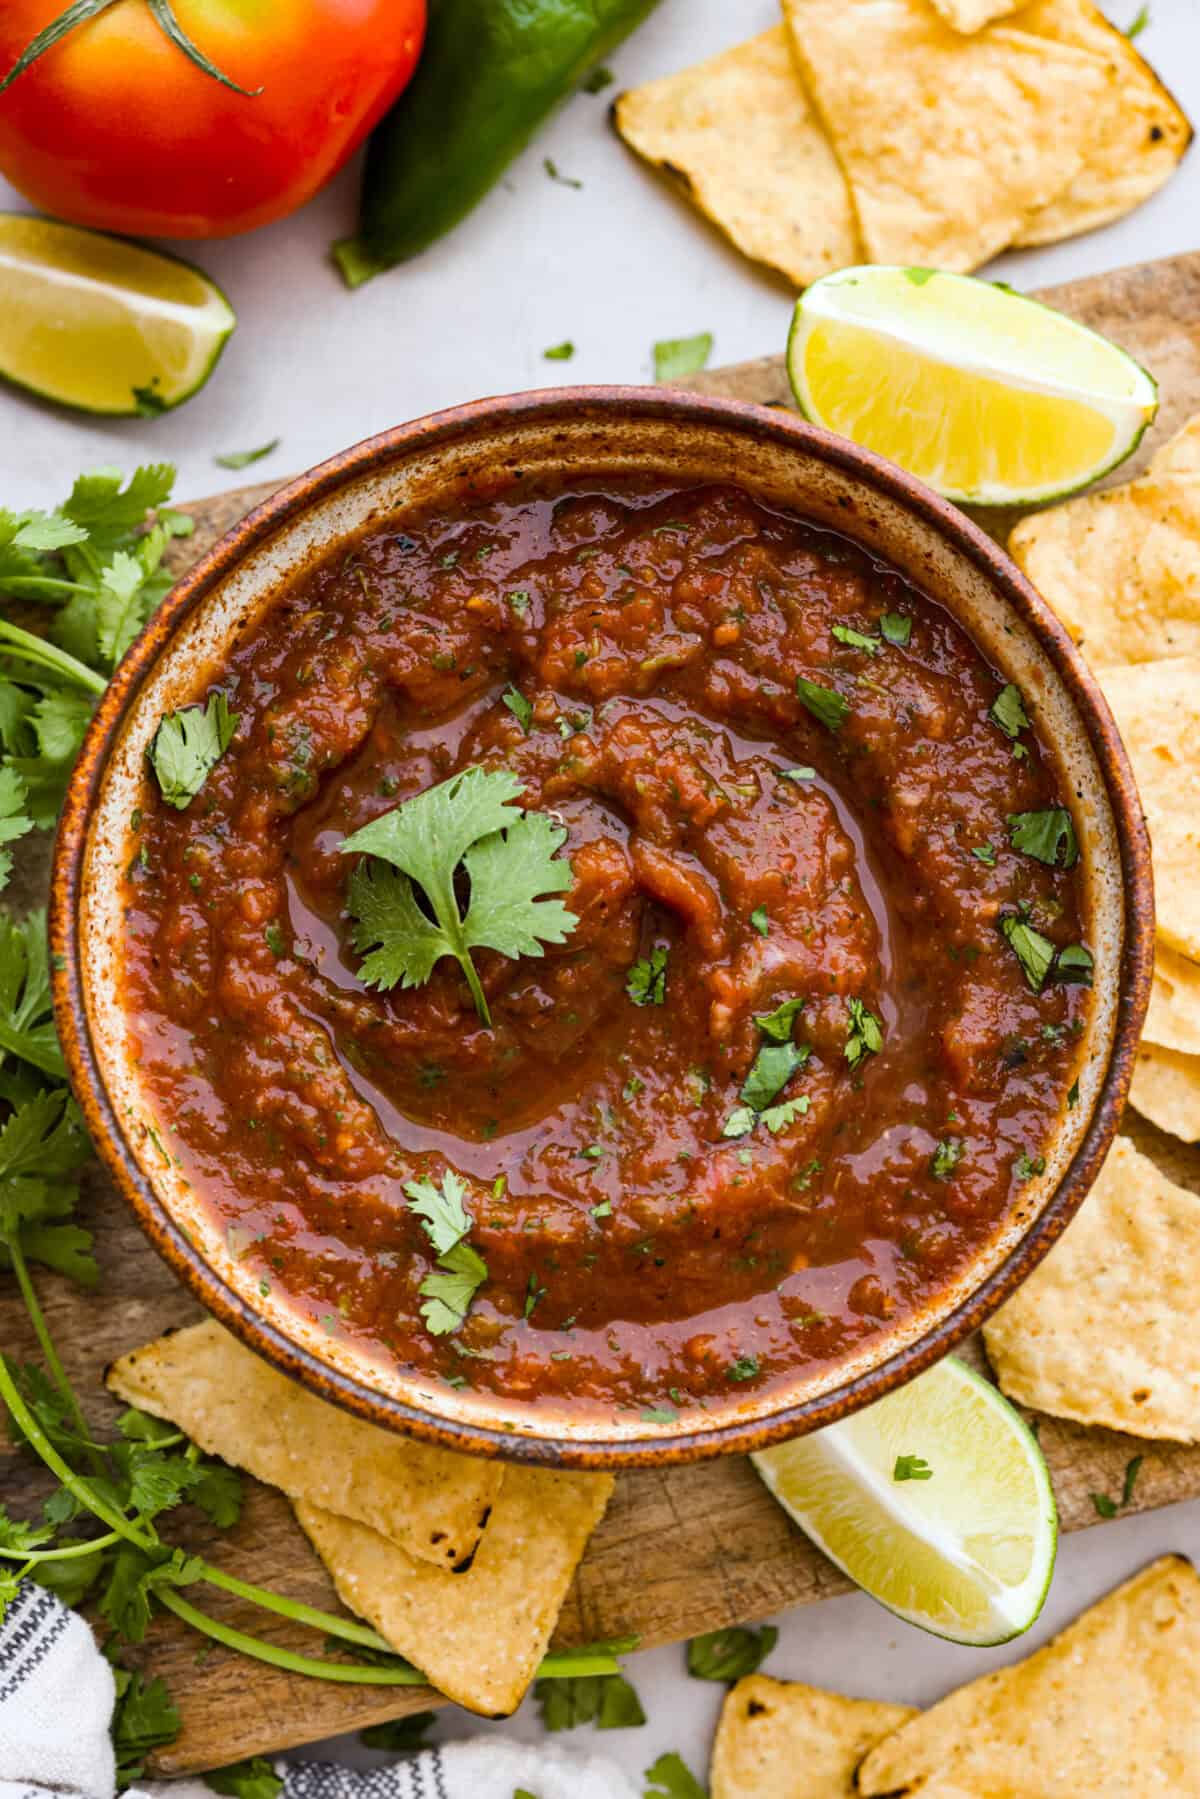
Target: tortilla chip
1157,709
1166,1090
1137,134
234,1405
1111,1708
478,1636
948,142
779,1739
1173,1021
1121,569
739,135
1107,1330
973,15
1180,455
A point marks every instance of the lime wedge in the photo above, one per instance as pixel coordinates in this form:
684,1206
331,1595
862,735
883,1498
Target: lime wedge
935,1500
102,324
988,396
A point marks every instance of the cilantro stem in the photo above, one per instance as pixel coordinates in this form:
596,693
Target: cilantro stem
77,1485
41,1330
592,1658
66,1554
294,1609
354,1675
28,648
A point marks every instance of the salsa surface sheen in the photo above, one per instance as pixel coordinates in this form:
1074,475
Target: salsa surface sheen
637,1257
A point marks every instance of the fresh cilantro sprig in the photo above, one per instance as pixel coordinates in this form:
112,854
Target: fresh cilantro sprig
606,1700
465,827
447,1295
778,1059
187,747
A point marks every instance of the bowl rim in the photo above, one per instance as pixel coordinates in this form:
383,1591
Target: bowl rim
610,404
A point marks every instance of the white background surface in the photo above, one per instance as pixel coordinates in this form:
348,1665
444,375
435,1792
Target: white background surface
612,266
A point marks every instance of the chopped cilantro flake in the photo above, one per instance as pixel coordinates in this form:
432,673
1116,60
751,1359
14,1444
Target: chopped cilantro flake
519,706
864,1035
744,1368
1075,965
912,1467
946,1158
187,747
1008,711
760,921
1034,952
646,982
896,628
675,357
778,1025
1047,836
856,640
830,708
983,852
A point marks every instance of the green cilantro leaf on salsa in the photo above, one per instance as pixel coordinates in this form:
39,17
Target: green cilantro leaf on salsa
864,1035
983,852
777,1026
744,1368
740,1123
897,628
798,774
1034,952
946,1158
187,747
770,1072
519,706
856,640
509,856
1008,712
830,708
730,1654
1076,965
760,921
777,1118
441,1209
912,1467
1047,836
672,1779
675,357
446,1222
646,982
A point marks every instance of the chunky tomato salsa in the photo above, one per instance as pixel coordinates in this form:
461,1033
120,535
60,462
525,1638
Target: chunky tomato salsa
703,993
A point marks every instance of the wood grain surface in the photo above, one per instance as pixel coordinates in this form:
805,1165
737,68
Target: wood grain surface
682,1550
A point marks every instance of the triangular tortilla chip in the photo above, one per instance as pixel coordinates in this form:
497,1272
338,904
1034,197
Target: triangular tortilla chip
1173,1021
948,142
1157,709
1110,1709
740,137
1107,1330
1121,569
779,1739
477,1636
1180,455
1137,133
973,15
1166,1090
235,1405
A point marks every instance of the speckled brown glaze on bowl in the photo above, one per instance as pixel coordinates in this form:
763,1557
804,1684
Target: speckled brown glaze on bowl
474,451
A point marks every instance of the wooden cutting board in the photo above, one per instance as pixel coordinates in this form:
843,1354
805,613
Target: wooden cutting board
682,1550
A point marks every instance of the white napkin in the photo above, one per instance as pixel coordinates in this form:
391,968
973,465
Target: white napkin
56,1699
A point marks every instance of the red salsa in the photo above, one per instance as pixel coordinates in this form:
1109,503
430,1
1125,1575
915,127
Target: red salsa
808,1034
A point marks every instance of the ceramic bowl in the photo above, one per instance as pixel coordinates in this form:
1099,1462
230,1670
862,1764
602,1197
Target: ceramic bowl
475,451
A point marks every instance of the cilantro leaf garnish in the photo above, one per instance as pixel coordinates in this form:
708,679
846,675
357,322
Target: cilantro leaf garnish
946,1158
777,1118
730,1654
14,818
1034,952
1076,965
1048,836
446,1221
777,1026
509,856
646,982
243,458
770,1072
798,774
1008,712
675,357
830,708
864,1034
519,706
740,1123
856,640
984,852
441,1209
1026,1166
145,1718
912,1467
187,747
606,1700
760,920
673,1779
897,628
745,1367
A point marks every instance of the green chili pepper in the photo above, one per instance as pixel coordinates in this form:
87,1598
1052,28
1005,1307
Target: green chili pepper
491,73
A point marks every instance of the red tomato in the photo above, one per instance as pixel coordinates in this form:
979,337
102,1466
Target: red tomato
116,127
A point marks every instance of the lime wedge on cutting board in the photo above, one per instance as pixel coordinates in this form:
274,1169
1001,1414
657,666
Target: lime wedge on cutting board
988,396
102,324
935,1500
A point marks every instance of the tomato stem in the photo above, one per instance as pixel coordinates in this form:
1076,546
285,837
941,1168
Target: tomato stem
81,11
